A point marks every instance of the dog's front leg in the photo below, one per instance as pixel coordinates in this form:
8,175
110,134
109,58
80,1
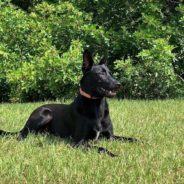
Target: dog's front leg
108,134
124,139
82,141
80,135
79,143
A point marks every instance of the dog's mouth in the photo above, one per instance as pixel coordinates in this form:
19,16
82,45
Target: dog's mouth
107,92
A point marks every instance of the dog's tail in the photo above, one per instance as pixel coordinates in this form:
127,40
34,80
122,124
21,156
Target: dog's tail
4,133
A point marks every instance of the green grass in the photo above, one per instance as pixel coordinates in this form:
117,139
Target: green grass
44,159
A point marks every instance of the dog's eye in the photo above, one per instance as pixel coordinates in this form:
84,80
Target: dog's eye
102,73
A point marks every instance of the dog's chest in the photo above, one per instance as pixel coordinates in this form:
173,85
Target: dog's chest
94,134
99,127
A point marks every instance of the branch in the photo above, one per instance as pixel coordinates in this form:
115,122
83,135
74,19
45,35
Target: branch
180,77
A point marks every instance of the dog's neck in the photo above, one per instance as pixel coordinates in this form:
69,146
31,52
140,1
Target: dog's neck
83,93
90,106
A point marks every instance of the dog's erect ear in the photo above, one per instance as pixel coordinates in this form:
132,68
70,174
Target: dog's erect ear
103,61
87,61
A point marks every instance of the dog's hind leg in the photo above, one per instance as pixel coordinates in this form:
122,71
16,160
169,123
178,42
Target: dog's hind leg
38,120
99,149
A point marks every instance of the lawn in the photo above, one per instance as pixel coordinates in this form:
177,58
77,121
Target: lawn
46,159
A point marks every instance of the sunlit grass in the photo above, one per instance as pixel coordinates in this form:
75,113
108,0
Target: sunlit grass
45,159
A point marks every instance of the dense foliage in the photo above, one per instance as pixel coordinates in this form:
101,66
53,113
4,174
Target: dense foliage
41,44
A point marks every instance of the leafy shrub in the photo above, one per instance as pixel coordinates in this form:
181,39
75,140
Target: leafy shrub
3,83
8,61
153,76
40,51
50,76
64,20
23,34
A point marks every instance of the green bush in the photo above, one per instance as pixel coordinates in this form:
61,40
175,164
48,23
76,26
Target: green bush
153,76
3,83
64,20
42,42
7,63
23,34
47,77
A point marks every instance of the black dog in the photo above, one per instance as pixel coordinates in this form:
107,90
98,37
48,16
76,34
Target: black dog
87,118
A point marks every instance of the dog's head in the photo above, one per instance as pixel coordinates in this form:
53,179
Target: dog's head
97,79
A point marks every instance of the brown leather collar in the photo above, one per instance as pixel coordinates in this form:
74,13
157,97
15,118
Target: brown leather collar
87,95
